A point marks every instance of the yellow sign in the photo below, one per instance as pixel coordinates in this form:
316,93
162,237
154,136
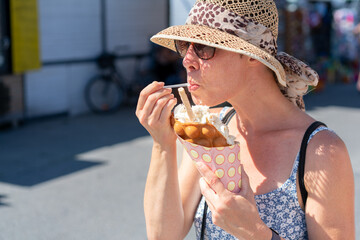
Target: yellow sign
24,35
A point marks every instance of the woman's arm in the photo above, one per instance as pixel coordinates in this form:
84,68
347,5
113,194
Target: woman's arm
171,197
162,202
166,204
190,191
161,198
329,181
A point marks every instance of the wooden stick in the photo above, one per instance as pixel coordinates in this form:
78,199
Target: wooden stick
186,102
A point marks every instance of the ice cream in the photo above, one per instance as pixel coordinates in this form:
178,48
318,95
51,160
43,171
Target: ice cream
206,129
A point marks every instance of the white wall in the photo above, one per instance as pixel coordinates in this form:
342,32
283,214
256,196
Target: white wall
57,89
71,30
132,23
45,91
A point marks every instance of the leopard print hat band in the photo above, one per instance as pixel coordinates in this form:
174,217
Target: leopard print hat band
217,17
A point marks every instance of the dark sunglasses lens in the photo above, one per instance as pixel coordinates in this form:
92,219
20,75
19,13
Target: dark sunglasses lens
203,51
181,47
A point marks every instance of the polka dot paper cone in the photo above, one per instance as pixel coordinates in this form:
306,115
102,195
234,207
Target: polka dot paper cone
223,161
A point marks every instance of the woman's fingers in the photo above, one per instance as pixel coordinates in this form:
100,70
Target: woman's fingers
165,114
144,94
154,109
152,100
160,107
212,180
208,193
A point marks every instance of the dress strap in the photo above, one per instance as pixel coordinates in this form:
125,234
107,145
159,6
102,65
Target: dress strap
303,147
223,112
203,224
226,119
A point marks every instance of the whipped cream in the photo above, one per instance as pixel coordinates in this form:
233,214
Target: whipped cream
202,116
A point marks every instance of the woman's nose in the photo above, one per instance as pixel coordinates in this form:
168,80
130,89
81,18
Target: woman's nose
191,60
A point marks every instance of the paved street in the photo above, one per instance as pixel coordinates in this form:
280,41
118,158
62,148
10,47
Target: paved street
83,177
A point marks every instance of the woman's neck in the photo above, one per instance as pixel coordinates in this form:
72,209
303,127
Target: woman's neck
263,108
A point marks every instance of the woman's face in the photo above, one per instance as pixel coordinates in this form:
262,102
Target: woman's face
216,80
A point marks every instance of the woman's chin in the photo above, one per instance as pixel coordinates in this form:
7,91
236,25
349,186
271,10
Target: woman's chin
197,100
206,102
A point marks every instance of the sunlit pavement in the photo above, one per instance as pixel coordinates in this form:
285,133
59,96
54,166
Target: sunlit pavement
83,177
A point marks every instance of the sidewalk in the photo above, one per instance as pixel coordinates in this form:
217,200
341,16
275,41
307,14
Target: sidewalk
83,177
74,178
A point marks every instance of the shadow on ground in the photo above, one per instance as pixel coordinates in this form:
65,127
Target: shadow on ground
45,149
2,197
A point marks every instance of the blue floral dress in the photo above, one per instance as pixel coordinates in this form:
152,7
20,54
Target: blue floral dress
279,210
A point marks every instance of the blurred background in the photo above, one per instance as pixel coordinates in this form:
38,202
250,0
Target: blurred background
73,157
49,50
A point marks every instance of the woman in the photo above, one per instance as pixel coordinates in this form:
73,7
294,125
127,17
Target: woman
229,52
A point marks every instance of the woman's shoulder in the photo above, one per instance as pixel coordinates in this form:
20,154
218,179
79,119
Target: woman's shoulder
327,158
326,144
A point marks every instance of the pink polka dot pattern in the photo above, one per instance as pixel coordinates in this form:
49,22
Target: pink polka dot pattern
223,161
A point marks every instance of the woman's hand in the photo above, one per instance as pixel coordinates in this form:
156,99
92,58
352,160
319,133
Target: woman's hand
237,214
154,109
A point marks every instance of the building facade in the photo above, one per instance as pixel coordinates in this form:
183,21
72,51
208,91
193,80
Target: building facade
71,34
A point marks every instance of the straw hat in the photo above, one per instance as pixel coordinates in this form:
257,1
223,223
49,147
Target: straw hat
248,27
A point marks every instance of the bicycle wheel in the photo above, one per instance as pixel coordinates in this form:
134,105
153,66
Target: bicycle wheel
103,94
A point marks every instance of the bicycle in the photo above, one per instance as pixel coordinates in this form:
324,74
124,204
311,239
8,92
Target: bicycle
107,91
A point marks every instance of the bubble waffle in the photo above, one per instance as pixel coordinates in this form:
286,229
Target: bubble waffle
196,124
201,134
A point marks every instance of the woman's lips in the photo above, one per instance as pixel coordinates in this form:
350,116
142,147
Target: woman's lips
193,87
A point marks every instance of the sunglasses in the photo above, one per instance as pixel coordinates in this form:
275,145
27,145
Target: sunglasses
202,51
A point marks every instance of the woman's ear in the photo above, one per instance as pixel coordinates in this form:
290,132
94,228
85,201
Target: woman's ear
250,60
253,61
